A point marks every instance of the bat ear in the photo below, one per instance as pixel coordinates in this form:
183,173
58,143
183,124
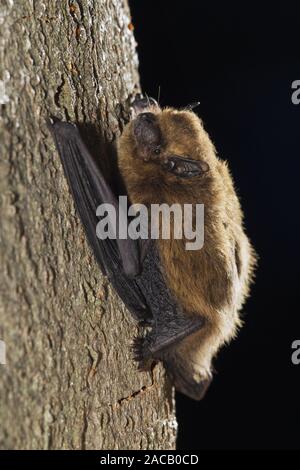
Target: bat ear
185,167
204,166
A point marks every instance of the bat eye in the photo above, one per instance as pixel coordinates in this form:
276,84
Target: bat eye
157,151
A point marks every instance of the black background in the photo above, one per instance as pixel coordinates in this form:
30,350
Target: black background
240,62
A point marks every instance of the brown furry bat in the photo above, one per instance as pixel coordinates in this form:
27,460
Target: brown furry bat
190,299
212,282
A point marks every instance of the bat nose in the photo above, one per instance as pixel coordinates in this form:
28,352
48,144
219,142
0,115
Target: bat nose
141,104
148,118
147,134
146,128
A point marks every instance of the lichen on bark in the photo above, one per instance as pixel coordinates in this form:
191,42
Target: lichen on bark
69,381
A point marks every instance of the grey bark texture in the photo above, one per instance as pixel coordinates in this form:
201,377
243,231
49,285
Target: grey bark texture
69,381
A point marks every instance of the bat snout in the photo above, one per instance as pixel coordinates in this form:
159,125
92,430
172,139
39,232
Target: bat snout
147,135
141,104
146,119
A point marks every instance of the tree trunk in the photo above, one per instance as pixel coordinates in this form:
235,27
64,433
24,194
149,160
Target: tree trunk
69,381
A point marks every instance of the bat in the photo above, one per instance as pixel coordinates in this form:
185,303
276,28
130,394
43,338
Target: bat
188,300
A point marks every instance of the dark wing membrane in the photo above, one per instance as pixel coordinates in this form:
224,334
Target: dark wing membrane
119,259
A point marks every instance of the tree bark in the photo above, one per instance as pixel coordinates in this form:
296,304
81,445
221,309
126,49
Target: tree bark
69,381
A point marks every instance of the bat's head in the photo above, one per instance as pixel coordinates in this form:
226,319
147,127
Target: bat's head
171,139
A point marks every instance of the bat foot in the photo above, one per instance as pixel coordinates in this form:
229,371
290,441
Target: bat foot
146,322
141,354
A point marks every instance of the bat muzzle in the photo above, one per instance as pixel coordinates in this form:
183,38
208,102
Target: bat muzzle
142,105
147,135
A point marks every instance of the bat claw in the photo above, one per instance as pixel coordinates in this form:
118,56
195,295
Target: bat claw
141,353
147,322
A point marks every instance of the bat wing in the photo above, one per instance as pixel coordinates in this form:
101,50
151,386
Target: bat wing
119,259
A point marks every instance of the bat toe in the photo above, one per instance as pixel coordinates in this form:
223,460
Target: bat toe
147,322
141,354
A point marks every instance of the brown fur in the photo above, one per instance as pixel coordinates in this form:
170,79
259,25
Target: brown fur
213,281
